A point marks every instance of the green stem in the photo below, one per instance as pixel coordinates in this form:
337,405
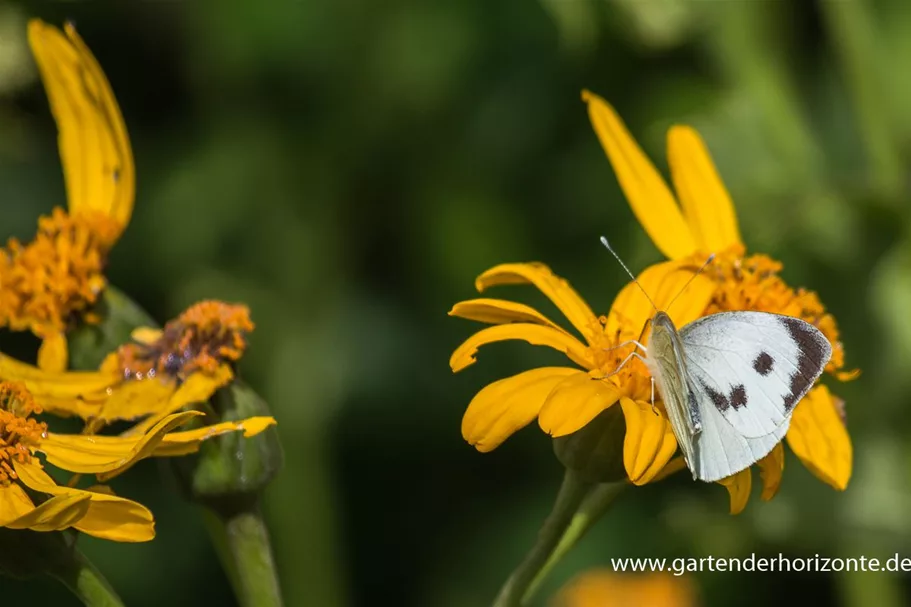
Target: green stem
592,509
85,581
242,543
572,493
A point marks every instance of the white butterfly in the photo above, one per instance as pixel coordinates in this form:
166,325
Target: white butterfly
730,382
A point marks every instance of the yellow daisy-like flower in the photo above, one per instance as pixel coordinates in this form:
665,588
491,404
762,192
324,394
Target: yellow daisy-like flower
565,399
705,222
95,512
160,373
606,588
48,284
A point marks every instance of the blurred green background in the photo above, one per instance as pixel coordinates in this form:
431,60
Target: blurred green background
348,168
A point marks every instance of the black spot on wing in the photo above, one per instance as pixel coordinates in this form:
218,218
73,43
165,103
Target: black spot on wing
763,363
720,401
738,397
814,353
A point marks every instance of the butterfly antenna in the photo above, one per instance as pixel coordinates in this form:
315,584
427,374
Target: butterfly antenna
692,278
620,261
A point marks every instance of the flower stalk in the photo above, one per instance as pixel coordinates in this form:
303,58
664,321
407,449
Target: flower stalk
517,589
84,580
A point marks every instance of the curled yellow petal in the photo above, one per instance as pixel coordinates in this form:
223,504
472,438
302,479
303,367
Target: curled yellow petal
197,388
108,516
557,289
649,443
536,335
508,405
52,355
664,282
771,468
576,400
706,202
818,436
645,189
88,454
499,311
60,512
94,147
67,393
739,486
188,441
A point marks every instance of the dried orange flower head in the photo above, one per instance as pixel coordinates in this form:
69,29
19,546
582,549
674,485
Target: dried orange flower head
18,433
206,336
59,274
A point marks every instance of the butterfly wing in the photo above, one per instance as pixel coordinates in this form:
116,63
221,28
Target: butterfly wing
720,451
751,369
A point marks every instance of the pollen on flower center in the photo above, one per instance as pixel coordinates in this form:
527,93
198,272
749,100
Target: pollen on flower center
633,377
19,434
752,283
58,274
205,336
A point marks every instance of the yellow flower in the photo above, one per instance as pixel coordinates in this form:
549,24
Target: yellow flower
96,511
705,222
161,372
606,588
565,399
51,282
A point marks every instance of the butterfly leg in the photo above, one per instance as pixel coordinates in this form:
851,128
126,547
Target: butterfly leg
627,343
621,365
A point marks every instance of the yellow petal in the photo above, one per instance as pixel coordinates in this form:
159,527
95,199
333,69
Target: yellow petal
108,516
739,486
18,512
134,399
536,335
506,406
197,388
557,289
499,311
94,147
188,441
87,454
145,335
52,355
771,468
706,202
819,438
649,443
648,194
664,282
574,402
67,393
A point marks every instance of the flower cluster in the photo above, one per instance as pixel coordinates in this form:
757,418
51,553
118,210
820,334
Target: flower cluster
52,284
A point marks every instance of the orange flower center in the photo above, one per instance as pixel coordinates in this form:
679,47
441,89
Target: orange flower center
633,378
45,283
19,434
752,283
205,336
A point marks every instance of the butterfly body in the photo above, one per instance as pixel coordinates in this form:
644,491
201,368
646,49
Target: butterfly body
730,381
